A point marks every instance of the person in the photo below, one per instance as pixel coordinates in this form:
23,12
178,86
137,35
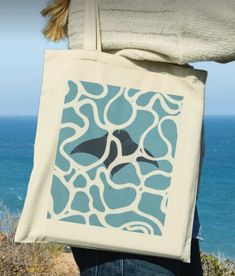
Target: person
178,32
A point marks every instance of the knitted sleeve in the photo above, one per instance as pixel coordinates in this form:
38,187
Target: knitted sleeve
175,31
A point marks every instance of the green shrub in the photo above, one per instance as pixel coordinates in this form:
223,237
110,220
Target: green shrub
217,265
23,258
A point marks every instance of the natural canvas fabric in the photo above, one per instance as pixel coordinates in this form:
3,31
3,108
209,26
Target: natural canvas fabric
116,155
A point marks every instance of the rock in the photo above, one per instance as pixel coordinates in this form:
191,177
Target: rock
3,238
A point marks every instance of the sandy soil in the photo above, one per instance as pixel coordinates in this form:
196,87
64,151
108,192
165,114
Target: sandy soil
66,265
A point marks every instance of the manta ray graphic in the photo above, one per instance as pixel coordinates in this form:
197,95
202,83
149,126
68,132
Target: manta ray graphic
97,147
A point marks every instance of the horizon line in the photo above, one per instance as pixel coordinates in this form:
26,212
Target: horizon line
36,115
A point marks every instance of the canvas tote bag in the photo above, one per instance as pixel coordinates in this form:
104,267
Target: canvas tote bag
116,152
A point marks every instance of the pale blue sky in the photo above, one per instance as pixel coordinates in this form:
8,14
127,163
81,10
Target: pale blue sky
21,63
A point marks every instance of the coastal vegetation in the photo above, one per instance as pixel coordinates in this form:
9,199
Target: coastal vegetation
42,259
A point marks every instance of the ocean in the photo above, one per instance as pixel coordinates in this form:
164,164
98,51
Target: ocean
216,201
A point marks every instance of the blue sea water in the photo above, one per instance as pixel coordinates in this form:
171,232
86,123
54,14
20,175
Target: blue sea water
216,202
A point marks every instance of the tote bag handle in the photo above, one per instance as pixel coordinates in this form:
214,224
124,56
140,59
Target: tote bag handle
92,37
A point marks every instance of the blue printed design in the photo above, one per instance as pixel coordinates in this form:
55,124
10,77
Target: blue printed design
114,157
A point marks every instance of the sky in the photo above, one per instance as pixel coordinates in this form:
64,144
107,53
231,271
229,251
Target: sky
22,47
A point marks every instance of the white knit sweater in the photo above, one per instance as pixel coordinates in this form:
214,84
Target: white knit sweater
174,31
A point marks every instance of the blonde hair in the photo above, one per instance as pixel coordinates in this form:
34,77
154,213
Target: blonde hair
56,14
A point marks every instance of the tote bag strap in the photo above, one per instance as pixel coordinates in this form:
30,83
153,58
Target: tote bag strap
92,37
